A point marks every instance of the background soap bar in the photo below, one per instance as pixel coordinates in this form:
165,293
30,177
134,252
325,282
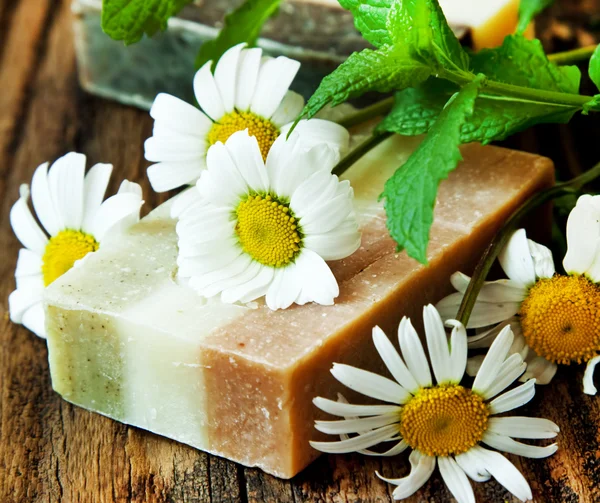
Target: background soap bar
126,340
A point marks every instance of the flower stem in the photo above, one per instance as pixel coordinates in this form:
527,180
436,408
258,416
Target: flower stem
566,57
367,145
377,109
501,238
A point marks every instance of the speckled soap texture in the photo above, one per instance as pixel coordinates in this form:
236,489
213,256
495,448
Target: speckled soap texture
127,340
318,33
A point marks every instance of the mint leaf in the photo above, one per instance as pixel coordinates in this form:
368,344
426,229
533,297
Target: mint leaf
383,70
128,20
242,25
411,191
594,68
523,62
422,27
370,17
528,9
519,62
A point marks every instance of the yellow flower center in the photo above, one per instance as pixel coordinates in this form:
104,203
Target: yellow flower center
63,250
267,230
444,420
560,319
263,130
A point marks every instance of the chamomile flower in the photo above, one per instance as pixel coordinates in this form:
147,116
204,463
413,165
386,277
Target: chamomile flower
69,206
247,91
251,228
443,422
555,318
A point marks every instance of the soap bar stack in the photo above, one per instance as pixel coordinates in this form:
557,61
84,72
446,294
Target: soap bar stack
127,340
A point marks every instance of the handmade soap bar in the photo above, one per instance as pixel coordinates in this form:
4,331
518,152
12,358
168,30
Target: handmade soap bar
127,340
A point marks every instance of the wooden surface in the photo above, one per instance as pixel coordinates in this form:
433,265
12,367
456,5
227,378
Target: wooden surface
51,451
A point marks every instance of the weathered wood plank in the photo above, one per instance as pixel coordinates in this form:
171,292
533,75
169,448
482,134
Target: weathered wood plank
51,451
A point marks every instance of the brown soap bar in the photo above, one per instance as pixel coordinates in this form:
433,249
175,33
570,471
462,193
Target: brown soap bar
128,341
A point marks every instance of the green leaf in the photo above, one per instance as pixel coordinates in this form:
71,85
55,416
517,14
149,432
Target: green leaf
384,70
594,68
370,18
242,25
411,191
593,105
528,9
128,20
520,62
422,27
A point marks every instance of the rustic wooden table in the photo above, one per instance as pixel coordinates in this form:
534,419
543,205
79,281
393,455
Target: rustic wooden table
51,451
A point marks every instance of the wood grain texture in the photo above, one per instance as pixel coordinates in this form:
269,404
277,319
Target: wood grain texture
51,451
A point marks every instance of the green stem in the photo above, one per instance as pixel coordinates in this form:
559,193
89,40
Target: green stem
375,110
519,92
566,57
501,238
367,145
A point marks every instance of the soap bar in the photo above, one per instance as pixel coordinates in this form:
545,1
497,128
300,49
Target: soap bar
127,340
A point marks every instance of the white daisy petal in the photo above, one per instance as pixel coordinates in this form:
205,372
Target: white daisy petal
166,176
247,77
393,361
345,409
503,290
356,425
413,353
514,398
509,372
207,93
28,264
116,214
516,259
20,301
226,76
357,443
42,200
316,131
485,338
421,469
506,444
290,107
588,377
504,472
540,369
523,427
94,186
65,180
458,350
456,480
274,79
253,289
483,314
177,115
182,148
184,200
335,245
437,343
246,155
248,274
542,260
231,270
399,448
34,319
472,466
318,282
583,237
25,227
493,361
285,288
370,384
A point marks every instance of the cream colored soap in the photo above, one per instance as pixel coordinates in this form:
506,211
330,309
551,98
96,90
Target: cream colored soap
128,341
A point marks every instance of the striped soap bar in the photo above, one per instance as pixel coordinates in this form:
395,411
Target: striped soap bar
127,340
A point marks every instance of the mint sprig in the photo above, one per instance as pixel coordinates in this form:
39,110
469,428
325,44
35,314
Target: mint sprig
520,87
242,25
422,173
129,20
